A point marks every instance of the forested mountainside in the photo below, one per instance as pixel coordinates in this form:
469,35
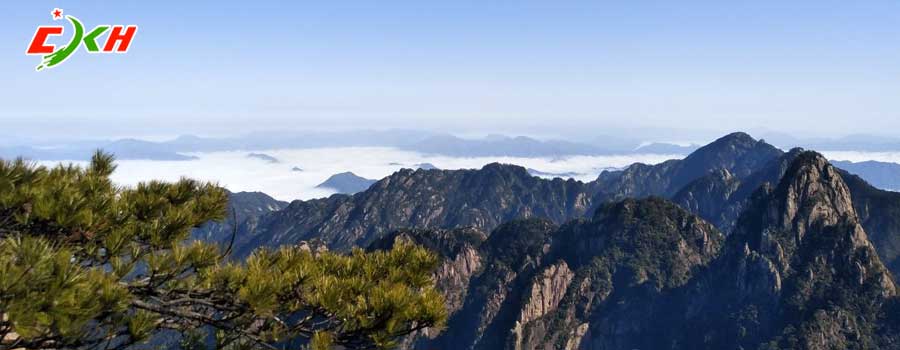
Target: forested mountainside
738,246
487,197
797,272
715,182
482,198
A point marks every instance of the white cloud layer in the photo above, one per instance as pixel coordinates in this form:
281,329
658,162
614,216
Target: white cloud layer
856,156
238,173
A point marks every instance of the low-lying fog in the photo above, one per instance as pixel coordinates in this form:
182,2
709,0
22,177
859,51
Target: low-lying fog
857,156
238,172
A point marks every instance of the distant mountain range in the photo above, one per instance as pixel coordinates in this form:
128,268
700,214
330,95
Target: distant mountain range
411,140
123,149
738,245
856,142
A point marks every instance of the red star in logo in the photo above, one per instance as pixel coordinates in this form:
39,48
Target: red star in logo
57,14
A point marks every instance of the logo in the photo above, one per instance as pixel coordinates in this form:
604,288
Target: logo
117,41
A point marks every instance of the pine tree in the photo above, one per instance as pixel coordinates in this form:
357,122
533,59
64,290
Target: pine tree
88,264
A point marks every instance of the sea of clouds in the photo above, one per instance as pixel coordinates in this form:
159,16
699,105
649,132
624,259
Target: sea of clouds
236,172
857,156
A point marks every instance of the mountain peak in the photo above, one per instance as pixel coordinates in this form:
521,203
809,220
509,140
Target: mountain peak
812,192
494,168
734,143
810,195
807,223
738,152
799,254
738,136
347,183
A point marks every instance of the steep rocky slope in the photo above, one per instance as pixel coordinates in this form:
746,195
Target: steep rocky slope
715,182
798,272
487,197
481,198
879,212
540,286
738,154
720,197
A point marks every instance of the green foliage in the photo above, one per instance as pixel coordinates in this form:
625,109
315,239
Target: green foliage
84,263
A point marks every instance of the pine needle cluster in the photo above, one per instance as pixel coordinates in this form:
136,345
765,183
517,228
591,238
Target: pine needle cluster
88,264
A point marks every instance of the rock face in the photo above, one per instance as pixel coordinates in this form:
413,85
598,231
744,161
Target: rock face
720,197
879,213
545,292
798,271
459,250
542,286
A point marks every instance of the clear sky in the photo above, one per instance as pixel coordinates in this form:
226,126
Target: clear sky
818,67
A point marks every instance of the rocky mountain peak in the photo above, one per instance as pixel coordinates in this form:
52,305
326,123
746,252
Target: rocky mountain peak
811,199
735,138
509,169
799,270
738,152
812,193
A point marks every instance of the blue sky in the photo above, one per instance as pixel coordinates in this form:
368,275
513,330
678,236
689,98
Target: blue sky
535,67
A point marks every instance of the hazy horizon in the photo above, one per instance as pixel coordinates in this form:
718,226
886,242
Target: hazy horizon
224,68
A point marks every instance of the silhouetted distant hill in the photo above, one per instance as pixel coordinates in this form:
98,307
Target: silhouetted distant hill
347,183
263,157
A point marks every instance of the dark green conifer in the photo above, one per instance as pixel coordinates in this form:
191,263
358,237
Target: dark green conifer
87,264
